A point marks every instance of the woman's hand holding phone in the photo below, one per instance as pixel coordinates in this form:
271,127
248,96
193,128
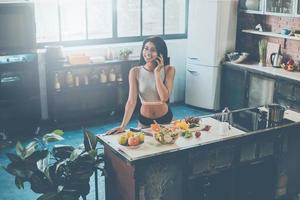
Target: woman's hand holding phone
160,63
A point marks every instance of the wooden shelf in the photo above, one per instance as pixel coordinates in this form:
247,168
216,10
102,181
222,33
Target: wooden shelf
271,34
258,12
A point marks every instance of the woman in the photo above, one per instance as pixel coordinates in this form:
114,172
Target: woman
152,81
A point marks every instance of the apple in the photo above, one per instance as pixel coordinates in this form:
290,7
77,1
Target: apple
198,134
290,62
133,141
123,139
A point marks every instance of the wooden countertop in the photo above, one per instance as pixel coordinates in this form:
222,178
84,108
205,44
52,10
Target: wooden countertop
279,72
152,148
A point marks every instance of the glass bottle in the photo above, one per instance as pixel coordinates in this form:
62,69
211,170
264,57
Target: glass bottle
86,79
70,79
103,77
57,86
112,75
119,77
77,81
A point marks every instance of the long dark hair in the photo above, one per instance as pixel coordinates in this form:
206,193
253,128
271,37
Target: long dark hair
161,48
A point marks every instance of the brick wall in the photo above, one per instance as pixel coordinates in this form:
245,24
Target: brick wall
249,43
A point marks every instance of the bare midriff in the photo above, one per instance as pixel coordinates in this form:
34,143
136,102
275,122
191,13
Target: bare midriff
154,111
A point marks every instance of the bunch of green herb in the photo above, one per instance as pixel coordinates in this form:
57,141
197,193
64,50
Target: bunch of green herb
262,47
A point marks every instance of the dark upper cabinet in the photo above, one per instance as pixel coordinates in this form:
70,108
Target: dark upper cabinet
242,87
261,90
288,93
233,88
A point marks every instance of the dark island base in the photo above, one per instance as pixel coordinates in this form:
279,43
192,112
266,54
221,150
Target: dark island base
261,166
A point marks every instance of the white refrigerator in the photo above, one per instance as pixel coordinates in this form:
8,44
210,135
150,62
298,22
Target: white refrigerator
211,34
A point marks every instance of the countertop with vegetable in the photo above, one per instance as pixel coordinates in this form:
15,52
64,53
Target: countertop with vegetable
179,135
278,72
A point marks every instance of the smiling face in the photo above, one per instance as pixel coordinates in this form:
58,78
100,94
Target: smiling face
149,52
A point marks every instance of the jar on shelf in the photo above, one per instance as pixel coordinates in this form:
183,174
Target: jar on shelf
70,79
77,82
103,76
86,79
119,76
112,75
57,85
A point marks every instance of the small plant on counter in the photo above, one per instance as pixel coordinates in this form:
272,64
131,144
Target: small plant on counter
262,47
124,54
58,172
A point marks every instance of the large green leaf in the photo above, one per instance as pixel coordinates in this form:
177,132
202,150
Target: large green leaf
36,156
90,141
20,150
13,157
19,182
58,132
30,148
60,164
48,196
75,154
19,171
40,184
62,151
42,164
51,137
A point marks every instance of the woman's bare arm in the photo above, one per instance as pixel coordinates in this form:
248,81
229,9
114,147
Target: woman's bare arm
131,101
165,89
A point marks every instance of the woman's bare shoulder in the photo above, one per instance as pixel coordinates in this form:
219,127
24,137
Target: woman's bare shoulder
170,69
135,69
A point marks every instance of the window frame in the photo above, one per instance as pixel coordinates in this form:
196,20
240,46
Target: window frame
115,38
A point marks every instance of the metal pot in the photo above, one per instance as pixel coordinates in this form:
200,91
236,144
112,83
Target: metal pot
276,59
276,113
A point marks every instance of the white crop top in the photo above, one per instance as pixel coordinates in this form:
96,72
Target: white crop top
147,86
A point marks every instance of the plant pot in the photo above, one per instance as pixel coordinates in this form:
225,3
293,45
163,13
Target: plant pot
124,57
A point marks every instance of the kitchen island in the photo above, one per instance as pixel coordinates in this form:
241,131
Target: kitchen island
253,158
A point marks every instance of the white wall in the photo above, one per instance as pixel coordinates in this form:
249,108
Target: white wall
177,53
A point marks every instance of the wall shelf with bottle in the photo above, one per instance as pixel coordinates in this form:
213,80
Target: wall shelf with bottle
285,8
271,34
90,90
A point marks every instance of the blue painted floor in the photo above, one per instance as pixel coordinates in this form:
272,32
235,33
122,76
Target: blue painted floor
9,191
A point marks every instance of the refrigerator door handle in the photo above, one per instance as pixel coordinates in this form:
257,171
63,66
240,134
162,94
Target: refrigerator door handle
192,71
191,58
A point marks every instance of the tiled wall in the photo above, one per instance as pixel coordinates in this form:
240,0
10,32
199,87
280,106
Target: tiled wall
247,42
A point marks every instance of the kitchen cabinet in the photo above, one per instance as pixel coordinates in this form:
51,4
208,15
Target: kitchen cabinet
233,88
279,7
252,6
270,7
86,91
261,90
288,93
242,87
237,165
212,187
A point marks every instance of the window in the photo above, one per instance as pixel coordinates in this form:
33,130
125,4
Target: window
129,17
152,17
75,22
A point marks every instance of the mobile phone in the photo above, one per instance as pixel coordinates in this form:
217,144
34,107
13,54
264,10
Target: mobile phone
155,62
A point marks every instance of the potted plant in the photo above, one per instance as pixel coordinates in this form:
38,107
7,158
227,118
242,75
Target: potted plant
58,172
262,47
124,54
